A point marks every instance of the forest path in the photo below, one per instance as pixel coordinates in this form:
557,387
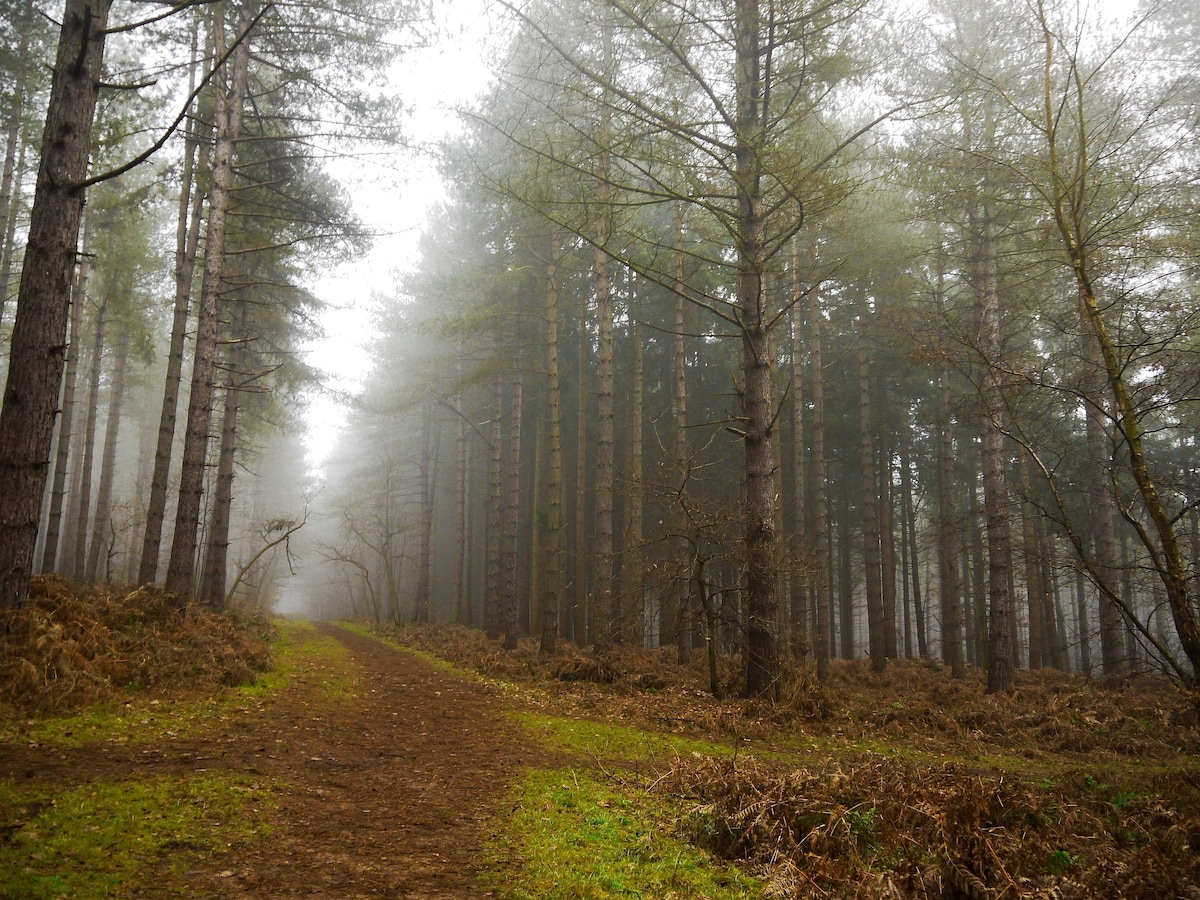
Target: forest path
386,774
388,793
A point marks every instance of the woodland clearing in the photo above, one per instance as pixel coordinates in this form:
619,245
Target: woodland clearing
352,768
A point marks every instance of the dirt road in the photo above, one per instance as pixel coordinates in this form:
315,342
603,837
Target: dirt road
386,793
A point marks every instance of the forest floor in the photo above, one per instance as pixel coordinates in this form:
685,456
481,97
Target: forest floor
448,768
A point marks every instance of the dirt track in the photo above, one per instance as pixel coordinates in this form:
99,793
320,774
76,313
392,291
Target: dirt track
388,794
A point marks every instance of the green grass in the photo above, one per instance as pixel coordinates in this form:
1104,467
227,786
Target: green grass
574,837
107,839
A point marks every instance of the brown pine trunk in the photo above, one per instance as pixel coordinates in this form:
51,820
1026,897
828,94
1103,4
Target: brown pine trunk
463,614
633,581
680,602
10,181
845,576
948,525
102,526
216,555
869,503
187,240
38,343
582,611
428,472
1039,654
552,527
66,422
887,546
513,514
495,523
229,99
607,617
801,557
83,515
1001,613
820,516
913,557
758,386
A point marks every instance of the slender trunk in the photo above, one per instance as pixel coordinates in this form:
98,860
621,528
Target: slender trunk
552,527
869,502
680,593
495,523
79,568
887,545
845,575
801,557
429,454
10,181
462,508
582,608
9,247
607,624
1001,620
914,562
38,343
229,97
187,239
216,556
820,541
633,582
66,422
1039,654
758,387
513,515
948,525
101,528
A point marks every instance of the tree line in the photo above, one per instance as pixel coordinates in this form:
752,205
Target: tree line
789,328
180,213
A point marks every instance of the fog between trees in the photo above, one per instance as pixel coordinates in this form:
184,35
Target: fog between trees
755,328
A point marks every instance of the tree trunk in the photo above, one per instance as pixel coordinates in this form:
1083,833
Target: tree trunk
216,555
887,542
869,502
229,99
607,624
38,343
552,527
79,567
462,506
680,603
513,515
1039,652
1001,616
66,424
495,523
429,455
10,182
914,560
801,557
758,386
187,240
820,540
102,526
582,609
633,582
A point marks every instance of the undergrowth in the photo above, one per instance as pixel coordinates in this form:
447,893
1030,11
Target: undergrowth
73,646
906,784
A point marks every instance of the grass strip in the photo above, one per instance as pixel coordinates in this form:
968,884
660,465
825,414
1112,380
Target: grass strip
108,839
573,836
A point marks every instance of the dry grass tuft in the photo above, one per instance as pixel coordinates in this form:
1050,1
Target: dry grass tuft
889,828
73,645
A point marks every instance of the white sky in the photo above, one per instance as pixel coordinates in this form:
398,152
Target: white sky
391,194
